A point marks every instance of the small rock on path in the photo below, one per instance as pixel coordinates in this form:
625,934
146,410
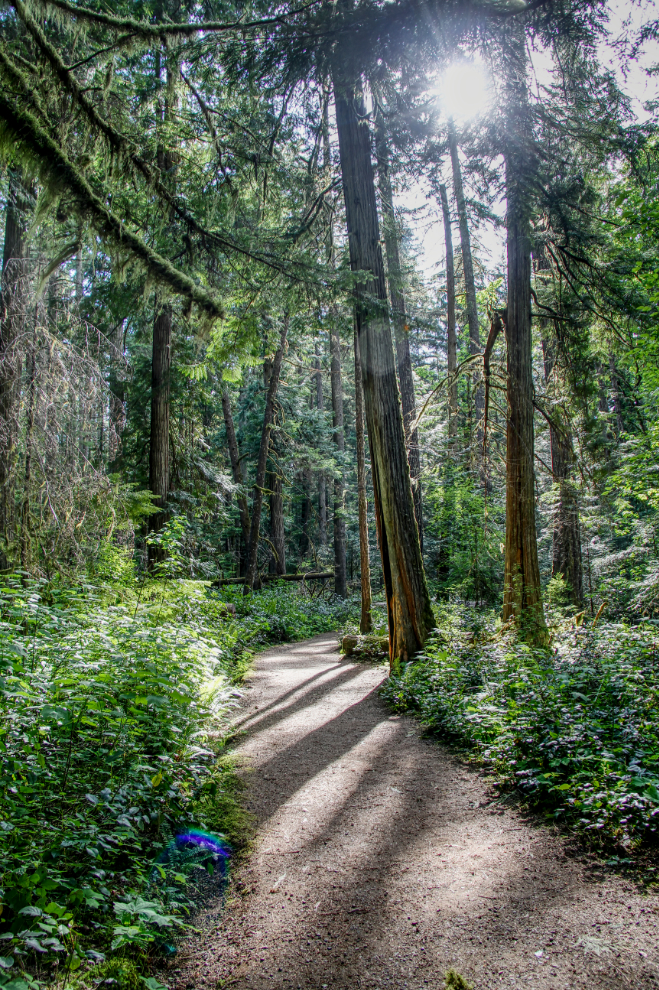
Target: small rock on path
380,861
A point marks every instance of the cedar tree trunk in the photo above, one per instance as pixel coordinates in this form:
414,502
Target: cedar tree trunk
522,601
340,569
399,317
566,536
408,601
366,621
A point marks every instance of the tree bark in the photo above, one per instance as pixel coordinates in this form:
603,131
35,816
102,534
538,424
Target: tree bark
31,367
451,338
13,297
522,603
566,535
236,471
467,262
399,319
322,481
366,620
340,569
159,442
277,563
262,462
408,601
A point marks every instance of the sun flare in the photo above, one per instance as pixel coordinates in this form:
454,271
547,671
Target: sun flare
464,90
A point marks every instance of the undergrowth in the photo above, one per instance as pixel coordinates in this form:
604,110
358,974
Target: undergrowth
575,728
114,703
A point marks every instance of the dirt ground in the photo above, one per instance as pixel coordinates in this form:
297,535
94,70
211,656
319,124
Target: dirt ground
380,860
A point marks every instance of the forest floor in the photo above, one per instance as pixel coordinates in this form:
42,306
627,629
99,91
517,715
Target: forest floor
381,860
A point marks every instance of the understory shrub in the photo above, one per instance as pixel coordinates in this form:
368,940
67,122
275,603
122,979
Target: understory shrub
576,729
113,717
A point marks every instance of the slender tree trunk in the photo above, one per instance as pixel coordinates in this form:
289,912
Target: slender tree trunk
408,601
451,339
566,536
277,530
305,515
366,621
236,471
522,593
262,462
467,261
322,481
277,563
616,394
340,568
159,445
13,300
399,317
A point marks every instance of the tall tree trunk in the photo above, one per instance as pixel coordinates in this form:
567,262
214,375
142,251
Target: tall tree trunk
236,471
31,367
467,261
451,338
322,481
262,462
277,563
522,601
366,620
306,514
566,535
340,569
277,530
408,601
399,317
13,300
159,444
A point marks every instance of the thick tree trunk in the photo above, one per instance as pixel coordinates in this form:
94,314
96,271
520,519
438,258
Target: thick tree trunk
31,368
159,443
467,261
522,593
566,536
236,471
322,481
408,602
399,318
262,462
13,298
340,569
451,338
366,621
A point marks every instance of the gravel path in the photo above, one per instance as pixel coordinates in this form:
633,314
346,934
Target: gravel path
381,862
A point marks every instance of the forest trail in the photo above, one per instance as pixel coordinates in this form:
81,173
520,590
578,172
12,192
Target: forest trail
379,861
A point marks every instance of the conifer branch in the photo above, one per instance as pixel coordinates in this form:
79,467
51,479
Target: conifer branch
141,29
60,171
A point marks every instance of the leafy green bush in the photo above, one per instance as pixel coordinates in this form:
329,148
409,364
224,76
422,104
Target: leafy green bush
113,708
576,730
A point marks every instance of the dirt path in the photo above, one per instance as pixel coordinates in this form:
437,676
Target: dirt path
380,863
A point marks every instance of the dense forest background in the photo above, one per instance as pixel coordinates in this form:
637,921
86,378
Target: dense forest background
357,297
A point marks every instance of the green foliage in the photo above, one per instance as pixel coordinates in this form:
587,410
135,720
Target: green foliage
454,981
576,730
114,703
